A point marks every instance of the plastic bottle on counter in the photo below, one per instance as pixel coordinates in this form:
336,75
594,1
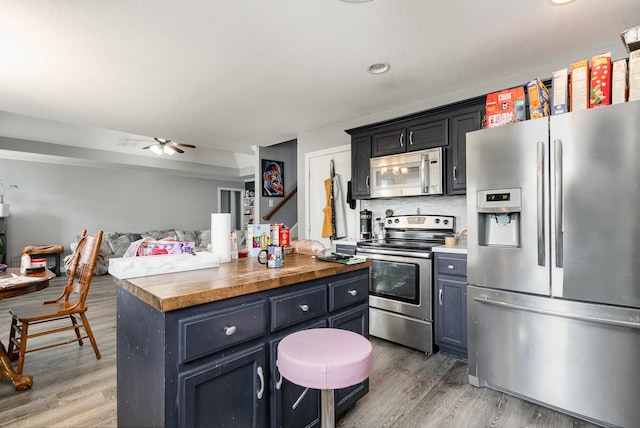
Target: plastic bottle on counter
25,263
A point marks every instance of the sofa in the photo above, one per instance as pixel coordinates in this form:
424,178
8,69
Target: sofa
114,244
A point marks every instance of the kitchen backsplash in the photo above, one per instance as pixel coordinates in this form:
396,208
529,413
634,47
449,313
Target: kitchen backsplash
444,205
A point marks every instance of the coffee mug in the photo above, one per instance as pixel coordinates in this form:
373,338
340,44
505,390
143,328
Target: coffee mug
272,257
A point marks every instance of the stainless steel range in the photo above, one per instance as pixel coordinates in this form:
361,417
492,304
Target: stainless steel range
400,288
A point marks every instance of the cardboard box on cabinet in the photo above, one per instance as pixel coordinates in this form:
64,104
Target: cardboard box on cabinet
600,86
579,85
619,82
634,76
560,91
538,99
507,106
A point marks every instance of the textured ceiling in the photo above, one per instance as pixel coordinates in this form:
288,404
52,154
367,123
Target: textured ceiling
229,74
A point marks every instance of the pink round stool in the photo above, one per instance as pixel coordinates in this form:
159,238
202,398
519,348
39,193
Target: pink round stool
326,359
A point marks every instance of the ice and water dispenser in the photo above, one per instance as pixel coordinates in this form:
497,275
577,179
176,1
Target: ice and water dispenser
499,217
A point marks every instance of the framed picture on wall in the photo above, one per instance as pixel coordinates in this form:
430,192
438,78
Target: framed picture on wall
272,178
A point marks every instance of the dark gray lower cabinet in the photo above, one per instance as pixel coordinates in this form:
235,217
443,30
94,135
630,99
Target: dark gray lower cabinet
451,304
215,364
226,392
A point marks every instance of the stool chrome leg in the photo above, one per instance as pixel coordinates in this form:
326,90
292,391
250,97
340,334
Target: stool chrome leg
328,415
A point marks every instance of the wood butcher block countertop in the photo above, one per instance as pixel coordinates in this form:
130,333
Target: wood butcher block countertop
169,292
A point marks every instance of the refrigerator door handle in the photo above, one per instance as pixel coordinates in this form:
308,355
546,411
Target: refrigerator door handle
540,205
606,321
557,147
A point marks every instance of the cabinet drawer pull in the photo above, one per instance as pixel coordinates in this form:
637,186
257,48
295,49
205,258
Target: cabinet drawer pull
440,296
304,308
367,181
402,140
261,377
451,267
455,173
230,330
411,138
352,292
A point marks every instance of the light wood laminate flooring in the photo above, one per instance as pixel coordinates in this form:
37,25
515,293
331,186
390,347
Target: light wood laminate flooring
73,389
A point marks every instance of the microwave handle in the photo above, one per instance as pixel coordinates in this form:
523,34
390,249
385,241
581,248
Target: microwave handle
424,173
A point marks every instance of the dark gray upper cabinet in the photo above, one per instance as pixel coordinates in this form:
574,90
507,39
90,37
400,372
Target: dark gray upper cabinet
360,155
465,120
445,126
389,142
419,134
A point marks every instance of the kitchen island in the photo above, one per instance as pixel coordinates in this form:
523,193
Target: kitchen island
198,348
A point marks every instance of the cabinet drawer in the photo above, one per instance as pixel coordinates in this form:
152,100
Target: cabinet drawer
292,308
349,291
211,332
451,265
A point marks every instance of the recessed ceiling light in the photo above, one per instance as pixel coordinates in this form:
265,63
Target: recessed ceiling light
559,2
379,68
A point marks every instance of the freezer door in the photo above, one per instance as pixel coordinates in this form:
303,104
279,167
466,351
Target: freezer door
596,204
514,157
576,356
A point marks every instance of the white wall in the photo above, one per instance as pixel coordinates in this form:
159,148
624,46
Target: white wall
55,202
283,152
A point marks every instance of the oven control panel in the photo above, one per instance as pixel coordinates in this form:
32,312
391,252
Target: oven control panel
419,221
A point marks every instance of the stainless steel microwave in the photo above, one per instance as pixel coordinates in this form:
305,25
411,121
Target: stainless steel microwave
407,174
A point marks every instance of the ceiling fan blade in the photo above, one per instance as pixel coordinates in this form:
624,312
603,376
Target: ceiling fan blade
191,146
174,148
147,147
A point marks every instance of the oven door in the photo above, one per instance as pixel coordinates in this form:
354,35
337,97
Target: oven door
400,283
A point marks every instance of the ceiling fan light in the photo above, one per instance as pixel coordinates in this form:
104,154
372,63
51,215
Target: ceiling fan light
166,149
156,149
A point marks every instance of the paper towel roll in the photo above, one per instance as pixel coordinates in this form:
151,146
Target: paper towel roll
221,236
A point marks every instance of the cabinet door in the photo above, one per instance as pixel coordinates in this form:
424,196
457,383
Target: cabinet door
285,394
452,315
427,135
360,155
461,122
228,392
356,320
389,142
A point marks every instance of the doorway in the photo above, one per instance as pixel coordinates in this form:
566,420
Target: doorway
230,201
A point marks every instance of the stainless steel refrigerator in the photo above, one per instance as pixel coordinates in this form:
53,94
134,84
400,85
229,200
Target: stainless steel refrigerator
554,261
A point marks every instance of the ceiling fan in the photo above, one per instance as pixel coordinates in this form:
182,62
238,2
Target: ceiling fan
168,147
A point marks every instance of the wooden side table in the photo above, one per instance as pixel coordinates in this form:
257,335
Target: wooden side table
46,251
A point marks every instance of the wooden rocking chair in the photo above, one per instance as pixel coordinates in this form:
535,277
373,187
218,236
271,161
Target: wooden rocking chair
63,307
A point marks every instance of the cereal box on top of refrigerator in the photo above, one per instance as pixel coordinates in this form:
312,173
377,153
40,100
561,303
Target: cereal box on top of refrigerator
505,107
619,81
579,85
538,99
560,91
600,87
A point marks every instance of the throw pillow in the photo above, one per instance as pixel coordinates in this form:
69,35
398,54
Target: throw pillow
204,238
